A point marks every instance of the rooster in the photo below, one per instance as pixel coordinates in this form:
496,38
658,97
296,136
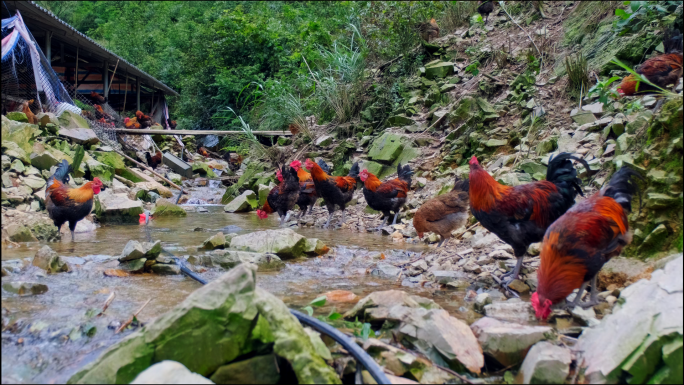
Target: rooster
131,123
324,166
485,9
144,120
203,151
444,213
98,98
172,124
387,196
428,31
336,190
520,215
580,242
283,197
154,161
307,189
661,70
66,204
27,111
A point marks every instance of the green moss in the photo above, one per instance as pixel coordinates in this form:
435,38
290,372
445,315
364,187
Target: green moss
128,174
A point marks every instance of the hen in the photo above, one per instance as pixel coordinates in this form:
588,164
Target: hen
307,189
203,151
144,120
580,242
387,196
27,111
336,190
66,204
172,124
97,98
154,161
428,31
661,70
131,123
283,197
444,213
520,215
485,9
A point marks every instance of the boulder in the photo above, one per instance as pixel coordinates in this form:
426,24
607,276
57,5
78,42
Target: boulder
315,247
324,141
388,299
228,259
642,338
216,241
48,260
69,119
513,310
84,136
246,201
546,364
25,288
439,70
169,372
256,370
285,243
387,148
228,318
111,207
164,208
507,342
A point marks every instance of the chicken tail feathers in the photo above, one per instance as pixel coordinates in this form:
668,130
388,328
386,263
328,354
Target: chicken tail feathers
324,166
461,185
62,172
354,171
561,171
404,173
622,187
672,41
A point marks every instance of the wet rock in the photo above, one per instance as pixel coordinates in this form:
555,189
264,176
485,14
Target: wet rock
513,310
110,207
132,250
152,249
84,136
481,300
247,201
519,286
642,338
228,259
164,208
388,299
217,241
165,269
585,317
134,265
169,372
507,342
315,247
546,364
211,328
386,270
19,233
48,260
255,370
25,288
285,243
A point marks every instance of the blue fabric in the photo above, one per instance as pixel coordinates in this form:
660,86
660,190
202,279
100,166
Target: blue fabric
6,22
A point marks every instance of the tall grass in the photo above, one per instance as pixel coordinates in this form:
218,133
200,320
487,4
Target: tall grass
281,108
456,14
577,69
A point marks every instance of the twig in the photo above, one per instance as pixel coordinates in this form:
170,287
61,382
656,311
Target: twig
107,303
135,315
508,289
112,78
150,170
501,4
457,375
390,62
493,78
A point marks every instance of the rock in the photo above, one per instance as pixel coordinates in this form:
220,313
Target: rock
622,143
446,276
512,310
387,148
44,157
532,167
662,177
481,300
439,70
285,243
585,317
255,370
164,208
152,249
84,136
203,169
175,178
534,249
246,201
584,118
654,238
507,342
24,288
324,141
48,260
388,299
151,186
660,201
212,327
595,108
34,182
642,338
217,241
19,233
480,240
133,266
386,270
496,142
399,121
622,271
546,364
132,250
110,207
228,259
69,119
13,151
22,134
169,372
519,286
618,126
18,167
262,193
421,182
315,247
165,269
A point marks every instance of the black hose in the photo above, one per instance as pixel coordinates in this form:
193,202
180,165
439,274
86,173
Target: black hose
359,354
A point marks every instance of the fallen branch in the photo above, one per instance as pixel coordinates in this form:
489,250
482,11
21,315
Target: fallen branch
488,76
389,62
150,170
501,4
107,303
130,320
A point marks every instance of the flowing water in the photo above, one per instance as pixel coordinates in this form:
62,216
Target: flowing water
46,341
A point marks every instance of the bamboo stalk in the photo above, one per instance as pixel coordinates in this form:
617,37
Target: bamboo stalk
107,303
150,170
125,93
76,75
130,320
109,86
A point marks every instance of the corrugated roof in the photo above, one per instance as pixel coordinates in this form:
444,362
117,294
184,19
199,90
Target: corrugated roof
30,10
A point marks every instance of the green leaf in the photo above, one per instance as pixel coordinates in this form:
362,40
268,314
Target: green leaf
609,81
89,330
621,13
309,310
635,5
78,157
318,302
365,331
334,316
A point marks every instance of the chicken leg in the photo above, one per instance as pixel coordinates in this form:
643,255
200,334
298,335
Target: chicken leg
328,222
593,300
344,217
514,274
72,228
396,214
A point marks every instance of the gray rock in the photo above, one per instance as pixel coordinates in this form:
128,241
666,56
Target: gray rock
133,265
315,247
36,183
496,142
324,141
18,166
132,250
247,201
214,242
84,136
513,310
388,299
480,240
285,243
165,269
169,372
642,337
660,201
386,270
152,249
48,260
111,207
585,317
228,259
25,288
595,108
546,364
481,300
446,276
507,342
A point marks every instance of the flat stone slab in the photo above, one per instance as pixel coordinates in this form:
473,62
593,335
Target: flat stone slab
80,135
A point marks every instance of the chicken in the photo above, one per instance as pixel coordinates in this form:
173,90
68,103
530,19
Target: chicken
144,120
203,151
324,166
485,9
283,197
66,204
97,98
428,31
520,215
444,213
336,190
307,189
131,123
580,242
154,161
234,160
387,196
661,70
172,124
27,111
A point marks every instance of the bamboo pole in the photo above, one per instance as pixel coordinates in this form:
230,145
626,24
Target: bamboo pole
141,131
112,78
76,76
150,170
125,93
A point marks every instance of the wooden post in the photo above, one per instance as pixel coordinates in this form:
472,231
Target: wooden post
125,93
138,92
105,79
48,46
111,80
78,46
61,55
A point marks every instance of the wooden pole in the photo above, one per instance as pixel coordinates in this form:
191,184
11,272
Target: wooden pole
78,46
150,170
138,92
113,73
141,131
125,93
105,78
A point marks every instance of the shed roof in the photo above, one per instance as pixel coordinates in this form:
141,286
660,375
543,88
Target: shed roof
37,17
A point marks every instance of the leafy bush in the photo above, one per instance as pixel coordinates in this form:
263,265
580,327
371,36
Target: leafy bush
641,13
